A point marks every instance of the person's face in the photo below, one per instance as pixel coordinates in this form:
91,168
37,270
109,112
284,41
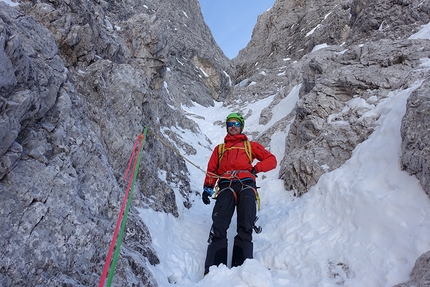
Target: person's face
233,127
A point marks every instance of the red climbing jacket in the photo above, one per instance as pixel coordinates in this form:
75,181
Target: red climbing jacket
234,163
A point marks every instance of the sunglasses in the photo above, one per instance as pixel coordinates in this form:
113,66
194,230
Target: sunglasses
233,124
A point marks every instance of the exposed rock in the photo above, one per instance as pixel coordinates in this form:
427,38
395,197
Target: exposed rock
398,19
333,114
291,29
366,54
415,134
420,275
79,81
31,75
356,68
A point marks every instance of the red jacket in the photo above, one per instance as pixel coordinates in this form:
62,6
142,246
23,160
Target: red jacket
236,159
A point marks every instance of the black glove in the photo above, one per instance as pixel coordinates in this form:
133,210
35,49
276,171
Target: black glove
207,192
254,172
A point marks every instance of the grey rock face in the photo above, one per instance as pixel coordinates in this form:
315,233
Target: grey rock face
291,29
368,56
372,21
31,75
79,81
338,90
364,59
420,275
415,133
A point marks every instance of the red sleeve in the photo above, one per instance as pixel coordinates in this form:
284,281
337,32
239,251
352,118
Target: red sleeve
212,169
267,161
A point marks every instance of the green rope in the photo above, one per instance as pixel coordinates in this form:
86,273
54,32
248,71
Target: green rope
136,169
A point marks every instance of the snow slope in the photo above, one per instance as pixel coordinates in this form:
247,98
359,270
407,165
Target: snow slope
363,224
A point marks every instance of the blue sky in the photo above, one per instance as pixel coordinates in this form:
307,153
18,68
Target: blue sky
232,21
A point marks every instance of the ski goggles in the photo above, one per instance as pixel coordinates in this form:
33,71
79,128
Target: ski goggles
233,124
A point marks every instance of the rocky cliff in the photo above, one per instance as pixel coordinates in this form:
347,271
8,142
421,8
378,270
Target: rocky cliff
340,52
346,57
80,79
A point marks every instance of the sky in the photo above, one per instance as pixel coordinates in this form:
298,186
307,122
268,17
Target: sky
232,22
363,224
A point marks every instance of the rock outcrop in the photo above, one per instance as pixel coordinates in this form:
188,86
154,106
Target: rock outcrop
420,275
347,56
415,133
78,82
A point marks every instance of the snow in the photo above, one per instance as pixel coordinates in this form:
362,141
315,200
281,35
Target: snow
10,2
313,30
363,224
424,33
204,73
228,76
354,105
319,47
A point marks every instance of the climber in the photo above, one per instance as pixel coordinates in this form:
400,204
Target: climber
230,168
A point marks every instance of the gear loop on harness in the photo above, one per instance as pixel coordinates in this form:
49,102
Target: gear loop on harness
233,176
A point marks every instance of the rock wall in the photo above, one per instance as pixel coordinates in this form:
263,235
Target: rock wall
339,89
420,275
78,82
363,54
415,133
366,54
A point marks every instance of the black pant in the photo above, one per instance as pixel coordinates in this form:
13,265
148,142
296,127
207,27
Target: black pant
221,218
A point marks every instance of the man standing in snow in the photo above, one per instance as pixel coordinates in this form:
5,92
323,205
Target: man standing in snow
230,166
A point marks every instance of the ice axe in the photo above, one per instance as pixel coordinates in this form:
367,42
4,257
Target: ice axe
257,229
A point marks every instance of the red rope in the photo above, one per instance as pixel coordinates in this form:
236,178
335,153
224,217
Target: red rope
132,162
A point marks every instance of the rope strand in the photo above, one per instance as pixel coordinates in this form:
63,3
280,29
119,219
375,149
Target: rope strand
178,153
134,161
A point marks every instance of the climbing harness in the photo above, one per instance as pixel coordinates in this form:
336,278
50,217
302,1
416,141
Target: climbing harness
233,176
132,170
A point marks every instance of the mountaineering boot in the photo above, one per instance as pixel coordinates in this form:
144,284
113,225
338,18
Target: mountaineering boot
216,254
241,251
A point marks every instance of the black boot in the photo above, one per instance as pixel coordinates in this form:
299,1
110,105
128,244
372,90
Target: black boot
241,251
216,254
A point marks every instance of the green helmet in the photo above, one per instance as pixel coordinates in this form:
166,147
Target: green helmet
238,117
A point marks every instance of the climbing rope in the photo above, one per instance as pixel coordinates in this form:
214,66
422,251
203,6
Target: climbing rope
178,153
132,169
